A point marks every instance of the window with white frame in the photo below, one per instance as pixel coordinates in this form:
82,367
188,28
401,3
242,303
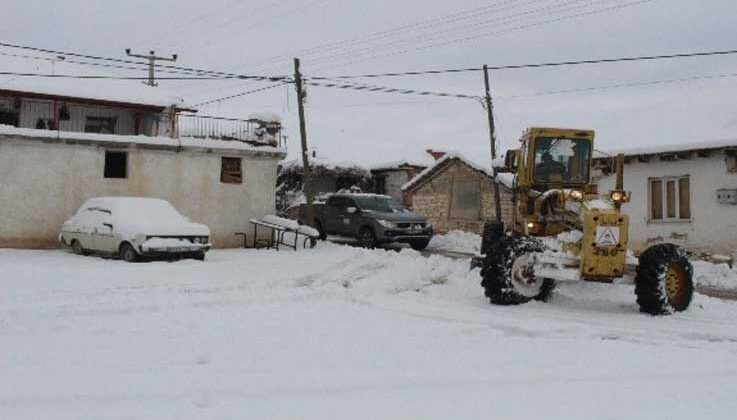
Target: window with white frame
670,198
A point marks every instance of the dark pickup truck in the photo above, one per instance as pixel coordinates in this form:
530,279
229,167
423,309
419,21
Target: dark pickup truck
372,219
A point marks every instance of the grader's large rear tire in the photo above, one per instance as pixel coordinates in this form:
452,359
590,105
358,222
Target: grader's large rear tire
500,265
664,282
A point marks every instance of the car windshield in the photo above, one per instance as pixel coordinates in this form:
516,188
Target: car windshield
150,210
379,203
562,160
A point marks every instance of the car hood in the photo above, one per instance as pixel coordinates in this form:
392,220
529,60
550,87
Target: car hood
406,216
131,229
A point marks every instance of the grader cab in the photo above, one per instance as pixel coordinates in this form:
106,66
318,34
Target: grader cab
585,233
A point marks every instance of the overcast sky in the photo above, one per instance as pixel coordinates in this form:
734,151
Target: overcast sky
352,37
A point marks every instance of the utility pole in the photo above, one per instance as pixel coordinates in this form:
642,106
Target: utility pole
306,170
492,138
152,58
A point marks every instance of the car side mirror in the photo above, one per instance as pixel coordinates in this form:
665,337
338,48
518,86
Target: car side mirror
351,210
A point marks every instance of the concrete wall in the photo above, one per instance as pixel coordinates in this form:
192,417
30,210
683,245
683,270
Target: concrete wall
43,183
433,200
713,226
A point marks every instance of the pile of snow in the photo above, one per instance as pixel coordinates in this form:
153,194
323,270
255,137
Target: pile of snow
290,224
456,241
714,275
342,332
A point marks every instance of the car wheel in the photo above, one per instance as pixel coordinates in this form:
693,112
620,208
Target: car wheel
77,248
367,238
128,253
200,256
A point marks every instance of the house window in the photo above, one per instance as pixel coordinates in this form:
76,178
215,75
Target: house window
465,200
230,171
116,164
670,198
8,113
101,125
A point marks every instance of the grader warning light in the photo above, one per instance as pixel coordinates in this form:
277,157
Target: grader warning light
554,197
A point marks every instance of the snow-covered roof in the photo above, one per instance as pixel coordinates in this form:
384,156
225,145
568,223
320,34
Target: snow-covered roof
265,116
183,142
325,164
440,163
398,164
111,90
669,148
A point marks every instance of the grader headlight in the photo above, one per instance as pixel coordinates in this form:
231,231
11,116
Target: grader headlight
619,196
575,195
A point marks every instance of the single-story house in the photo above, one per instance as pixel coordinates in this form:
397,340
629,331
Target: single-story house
327,178
63,141
456,194
389,177
685,194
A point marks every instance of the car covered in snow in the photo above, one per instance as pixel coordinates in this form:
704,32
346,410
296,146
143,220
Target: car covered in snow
372,219
134,228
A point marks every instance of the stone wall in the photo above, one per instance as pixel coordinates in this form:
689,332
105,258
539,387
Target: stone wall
434,199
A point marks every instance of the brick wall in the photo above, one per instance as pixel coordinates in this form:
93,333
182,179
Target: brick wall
433,200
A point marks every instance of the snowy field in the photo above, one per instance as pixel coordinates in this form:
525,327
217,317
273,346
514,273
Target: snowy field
343,333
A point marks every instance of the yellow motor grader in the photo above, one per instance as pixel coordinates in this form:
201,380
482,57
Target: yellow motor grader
564,230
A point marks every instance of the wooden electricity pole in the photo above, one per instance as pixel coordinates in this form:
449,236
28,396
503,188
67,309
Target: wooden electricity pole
306,170
492,139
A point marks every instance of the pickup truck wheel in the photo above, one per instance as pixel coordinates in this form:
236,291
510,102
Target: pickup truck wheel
320,230
127,253
419,244
367,238
77,248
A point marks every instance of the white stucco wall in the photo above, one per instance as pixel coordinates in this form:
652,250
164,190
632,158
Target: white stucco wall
713,226
43,183
394,181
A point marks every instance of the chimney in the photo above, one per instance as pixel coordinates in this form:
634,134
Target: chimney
436,154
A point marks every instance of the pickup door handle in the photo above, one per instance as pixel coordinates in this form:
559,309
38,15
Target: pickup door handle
108,225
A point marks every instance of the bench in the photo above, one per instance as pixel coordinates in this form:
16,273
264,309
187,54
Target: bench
279,228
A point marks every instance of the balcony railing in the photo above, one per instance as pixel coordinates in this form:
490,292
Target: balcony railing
251,131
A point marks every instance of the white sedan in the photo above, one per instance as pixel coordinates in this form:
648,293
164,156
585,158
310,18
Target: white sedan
132,228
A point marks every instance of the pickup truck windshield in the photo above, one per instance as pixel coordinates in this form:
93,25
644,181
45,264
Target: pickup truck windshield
379,204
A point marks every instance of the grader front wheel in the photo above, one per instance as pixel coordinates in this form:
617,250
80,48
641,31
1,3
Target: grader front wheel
664,282
508,278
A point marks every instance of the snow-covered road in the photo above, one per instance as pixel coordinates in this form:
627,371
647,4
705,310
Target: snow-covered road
345,333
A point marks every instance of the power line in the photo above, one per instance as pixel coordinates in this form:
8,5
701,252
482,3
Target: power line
468,28
238,95
536,65
104,77
384,89
158,66
620,85
242,30
482,35
370,37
